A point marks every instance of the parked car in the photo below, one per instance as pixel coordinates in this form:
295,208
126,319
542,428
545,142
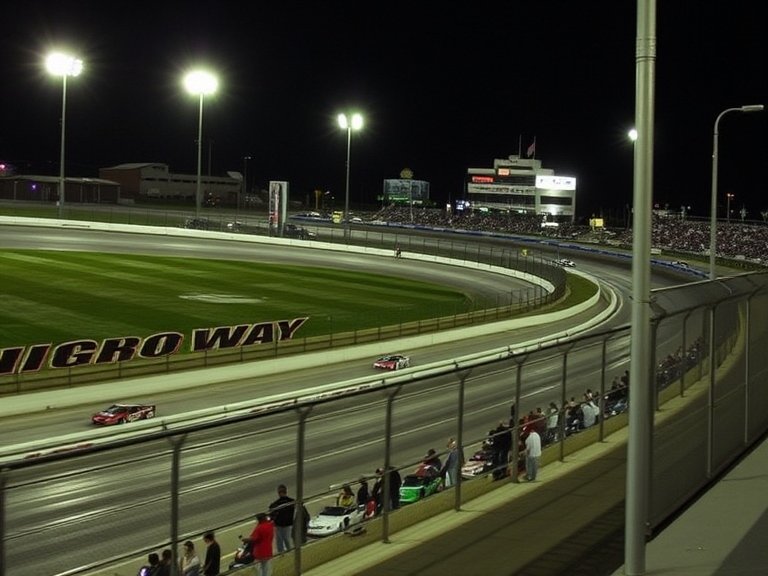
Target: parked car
124,413
392,362
296,231
422,483
335,519
478,464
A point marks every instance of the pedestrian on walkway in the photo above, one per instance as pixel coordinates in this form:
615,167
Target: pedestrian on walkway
453,463
212,564
190,562
261,540
532,455
282,512
166,562
363,492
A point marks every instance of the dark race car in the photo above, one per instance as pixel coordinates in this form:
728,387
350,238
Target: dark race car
124,413
296,231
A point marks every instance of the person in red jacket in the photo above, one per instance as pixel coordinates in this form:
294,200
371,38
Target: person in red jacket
261,540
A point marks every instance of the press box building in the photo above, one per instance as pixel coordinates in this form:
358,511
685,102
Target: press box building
521,185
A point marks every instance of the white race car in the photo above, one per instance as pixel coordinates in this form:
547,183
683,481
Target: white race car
335,519
565,262
478,464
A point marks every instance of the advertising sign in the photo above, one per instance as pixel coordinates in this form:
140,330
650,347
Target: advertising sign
278,201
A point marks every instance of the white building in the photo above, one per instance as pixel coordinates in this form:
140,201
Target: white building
521,185
154,180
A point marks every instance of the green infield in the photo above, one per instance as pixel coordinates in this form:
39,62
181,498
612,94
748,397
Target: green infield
56,296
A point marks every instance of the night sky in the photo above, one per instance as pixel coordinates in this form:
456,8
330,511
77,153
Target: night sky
442,86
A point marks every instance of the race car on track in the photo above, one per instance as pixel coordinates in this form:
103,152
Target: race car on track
335,519
565,262
124,413
392,362
417,486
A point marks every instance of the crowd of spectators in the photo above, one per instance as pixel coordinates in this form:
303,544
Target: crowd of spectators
671,232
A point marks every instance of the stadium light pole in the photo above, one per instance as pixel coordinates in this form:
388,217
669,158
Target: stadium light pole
728,198
354,122
60,64
200,83
245,178
713,207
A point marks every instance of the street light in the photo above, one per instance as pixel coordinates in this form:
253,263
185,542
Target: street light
200,83
728,198
348,124
63,65
245,178
713,208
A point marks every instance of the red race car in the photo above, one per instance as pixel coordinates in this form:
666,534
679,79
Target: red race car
392,362
124,413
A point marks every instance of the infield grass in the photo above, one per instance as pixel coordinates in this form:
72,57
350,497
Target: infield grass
57,296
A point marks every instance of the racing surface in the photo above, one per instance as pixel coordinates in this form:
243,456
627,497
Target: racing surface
121,504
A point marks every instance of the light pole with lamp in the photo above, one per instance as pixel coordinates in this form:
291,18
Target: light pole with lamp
728,198
245,178
63,65
355,122
713,208
200,83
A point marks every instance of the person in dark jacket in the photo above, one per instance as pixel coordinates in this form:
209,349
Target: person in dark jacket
282,512
363,494
212,564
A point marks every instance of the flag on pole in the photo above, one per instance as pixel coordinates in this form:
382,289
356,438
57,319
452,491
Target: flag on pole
531,152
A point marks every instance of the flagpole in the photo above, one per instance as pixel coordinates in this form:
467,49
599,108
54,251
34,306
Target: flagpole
520,146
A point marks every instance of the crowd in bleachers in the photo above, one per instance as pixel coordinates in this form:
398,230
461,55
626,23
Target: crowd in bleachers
735,239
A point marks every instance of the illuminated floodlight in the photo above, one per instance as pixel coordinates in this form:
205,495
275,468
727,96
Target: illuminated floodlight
200,82
353,123
60,64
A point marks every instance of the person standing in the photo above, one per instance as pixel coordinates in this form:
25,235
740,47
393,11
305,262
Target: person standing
166,562
212,564
282,512
261,539
453,463
501,444
532,455
152,568
346,498
363,493
395,481
302,523
553,417
190,563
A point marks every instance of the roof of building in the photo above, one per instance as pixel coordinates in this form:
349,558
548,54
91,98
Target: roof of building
135,165
55,179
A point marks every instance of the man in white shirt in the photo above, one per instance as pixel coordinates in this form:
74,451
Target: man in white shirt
532,455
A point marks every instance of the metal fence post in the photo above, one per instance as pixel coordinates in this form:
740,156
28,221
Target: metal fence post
299,520
176,443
